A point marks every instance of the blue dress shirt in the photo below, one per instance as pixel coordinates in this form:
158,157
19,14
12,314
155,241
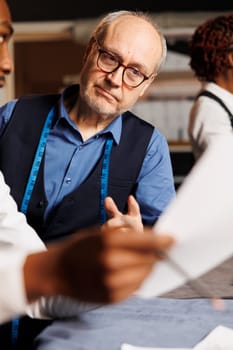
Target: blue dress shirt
69,160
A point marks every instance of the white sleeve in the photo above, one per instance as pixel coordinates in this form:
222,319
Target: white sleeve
59,307
208,119
17,240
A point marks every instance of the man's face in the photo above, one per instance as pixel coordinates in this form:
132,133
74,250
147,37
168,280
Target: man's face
133,43
6,31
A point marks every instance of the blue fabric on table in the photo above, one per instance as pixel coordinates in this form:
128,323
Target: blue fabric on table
158,322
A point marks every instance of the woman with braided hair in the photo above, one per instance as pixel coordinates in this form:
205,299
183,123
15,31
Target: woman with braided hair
211,59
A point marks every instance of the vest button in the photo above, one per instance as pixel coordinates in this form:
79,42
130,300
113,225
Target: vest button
42,204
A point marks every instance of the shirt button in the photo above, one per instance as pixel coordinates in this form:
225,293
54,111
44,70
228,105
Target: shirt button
42,204
68,180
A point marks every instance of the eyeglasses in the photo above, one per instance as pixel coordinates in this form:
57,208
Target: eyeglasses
109,63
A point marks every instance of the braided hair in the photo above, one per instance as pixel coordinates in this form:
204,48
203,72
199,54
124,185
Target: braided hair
210,46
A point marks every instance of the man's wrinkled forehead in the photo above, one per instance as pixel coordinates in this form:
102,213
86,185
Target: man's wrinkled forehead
144,47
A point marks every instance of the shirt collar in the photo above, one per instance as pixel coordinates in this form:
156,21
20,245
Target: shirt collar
115,127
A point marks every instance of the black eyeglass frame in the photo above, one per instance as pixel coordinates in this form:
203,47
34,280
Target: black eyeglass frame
119,64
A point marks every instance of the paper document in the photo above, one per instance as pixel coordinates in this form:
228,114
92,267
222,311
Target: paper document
201,220
131,347
221,338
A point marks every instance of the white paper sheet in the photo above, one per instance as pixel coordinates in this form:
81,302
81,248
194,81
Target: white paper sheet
201,220
220,338
132,347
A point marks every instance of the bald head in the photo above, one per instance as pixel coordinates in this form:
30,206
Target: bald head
138,28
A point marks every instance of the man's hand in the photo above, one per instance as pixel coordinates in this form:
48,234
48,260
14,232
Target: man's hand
118,220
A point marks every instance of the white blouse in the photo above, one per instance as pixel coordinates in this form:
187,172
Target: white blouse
208,119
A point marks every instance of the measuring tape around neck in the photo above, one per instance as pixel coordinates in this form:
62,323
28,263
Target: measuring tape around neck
104,179
28,192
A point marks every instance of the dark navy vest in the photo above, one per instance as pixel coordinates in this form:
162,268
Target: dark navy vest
81,207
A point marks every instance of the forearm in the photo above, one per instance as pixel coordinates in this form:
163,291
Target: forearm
44,276
41,275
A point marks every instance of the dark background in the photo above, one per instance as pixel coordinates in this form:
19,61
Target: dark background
49,10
